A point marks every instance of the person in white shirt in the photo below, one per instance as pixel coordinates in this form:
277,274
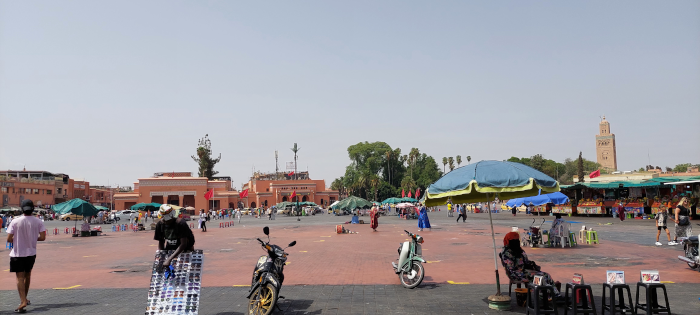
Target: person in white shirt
23,233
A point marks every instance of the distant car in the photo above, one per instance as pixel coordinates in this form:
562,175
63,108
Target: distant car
71,217
126,212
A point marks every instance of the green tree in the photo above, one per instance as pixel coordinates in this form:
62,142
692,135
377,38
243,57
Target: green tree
459,160
451,161
204,160
469,159
444,163
580,168
641,169
682,168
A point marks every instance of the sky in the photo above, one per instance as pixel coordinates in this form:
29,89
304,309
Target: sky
116,91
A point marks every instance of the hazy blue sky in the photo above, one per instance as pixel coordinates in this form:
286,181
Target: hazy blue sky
119,90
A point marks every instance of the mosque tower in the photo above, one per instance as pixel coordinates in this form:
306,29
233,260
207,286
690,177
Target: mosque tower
605,147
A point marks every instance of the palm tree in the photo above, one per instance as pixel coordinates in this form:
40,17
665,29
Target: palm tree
451,161
295,149
413,155
444,163
469,159
459,160
374,182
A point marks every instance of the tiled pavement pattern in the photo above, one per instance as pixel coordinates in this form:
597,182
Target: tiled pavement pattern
349,299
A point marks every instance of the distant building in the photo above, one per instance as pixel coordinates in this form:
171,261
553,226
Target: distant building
606,151
186,190
42,187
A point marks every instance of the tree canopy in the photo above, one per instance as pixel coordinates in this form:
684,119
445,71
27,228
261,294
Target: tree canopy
377,171
203,158
562,172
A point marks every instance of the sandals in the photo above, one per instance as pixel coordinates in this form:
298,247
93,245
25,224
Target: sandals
21,310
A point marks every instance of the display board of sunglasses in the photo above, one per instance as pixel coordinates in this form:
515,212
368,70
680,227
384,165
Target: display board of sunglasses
175,290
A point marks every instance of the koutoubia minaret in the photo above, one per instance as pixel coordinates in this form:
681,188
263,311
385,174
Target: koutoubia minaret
605,147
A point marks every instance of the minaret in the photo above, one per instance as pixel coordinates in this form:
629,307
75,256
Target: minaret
605,147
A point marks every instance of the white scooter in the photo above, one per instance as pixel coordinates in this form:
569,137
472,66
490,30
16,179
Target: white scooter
410,267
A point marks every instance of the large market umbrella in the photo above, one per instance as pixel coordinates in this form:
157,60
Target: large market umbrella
352,203
75,206
101,208
408,199
153,206
391,200
404,205
556,198
482,182
9,209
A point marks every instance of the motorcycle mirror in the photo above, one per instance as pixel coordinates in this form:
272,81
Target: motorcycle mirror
266,230
292,243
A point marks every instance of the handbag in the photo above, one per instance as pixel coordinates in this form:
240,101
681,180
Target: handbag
684,221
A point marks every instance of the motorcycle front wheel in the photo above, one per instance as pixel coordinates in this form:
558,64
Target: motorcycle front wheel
413,277
263,300
689,255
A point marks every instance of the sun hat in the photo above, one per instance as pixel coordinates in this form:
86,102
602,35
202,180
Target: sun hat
510,236
166,212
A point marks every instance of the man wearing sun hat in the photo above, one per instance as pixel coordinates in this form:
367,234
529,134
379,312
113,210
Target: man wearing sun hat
172,233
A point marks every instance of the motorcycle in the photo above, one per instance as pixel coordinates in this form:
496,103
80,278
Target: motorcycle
410,268
691,247
268,277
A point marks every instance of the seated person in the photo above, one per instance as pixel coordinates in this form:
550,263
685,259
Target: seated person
556,225
355,219
518,267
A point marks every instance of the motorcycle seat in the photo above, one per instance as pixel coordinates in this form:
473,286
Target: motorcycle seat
693,239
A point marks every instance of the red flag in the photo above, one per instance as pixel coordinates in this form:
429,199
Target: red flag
173,175
294,194
417,193
594,174
409,194
290,174
403,193
209,194
243,194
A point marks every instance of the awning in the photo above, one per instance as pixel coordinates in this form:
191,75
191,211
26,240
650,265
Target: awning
685,182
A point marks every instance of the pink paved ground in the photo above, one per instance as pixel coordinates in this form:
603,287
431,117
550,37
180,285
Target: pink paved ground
456,252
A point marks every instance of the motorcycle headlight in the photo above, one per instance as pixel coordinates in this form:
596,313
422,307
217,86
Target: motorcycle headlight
419,239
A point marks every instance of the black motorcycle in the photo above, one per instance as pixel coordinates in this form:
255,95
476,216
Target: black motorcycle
691,247
268,277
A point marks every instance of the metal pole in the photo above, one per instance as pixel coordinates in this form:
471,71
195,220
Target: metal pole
495,254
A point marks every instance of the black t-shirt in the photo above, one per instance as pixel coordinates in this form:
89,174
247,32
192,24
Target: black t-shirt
684,211
172,234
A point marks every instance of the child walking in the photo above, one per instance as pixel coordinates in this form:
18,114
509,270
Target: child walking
661,219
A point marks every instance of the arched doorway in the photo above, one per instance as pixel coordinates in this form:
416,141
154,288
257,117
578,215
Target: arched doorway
322,204
230,205
265,202
303,199
252,204
284,198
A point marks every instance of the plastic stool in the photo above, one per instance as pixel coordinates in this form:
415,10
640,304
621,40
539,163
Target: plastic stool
592,237
582,236
652,305
621,306
574,305
548,243
543,306
572,239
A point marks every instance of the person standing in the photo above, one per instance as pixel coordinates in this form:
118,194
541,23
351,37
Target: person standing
514,210
661,219
374,219
23,233
238,214
683,227
423,221
202,220
172,233
449,209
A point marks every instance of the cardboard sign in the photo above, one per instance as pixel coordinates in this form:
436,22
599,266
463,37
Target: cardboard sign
537,280
615,277
578,279
649,276
175,289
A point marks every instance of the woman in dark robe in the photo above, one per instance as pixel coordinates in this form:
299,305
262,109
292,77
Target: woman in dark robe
518,267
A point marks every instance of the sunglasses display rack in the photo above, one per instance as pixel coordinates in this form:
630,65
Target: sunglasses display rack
175,290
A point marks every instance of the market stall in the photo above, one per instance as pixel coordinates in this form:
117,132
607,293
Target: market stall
587,206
